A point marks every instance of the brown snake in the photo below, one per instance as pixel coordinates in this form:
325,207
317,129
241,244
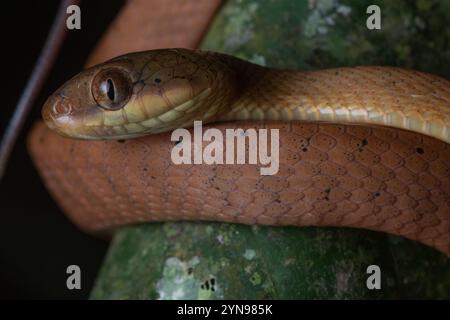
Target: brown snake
331,174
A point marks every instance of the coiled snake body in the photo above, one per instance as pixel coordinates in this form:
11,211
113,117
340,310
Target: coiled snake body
363,147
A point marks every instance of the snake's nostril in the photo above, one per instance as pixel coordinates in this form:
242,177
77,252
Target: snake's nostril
60,109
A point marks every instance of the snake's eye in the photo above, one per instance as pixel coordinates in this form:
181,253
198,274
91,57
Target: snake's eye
111,88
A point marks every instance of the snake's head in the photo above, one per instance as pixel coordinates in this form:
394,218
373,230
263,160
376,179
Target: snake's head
141,93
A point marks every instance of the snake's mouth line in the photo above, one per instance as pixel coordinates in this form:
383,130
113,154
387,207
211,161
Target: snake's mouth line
229,147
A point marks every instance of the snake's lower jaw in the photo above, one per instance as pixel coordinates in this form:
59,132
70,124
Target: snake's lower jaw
50,123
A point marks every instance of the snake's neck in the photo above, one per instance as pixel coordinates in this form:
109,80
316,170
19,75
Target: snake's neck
384,96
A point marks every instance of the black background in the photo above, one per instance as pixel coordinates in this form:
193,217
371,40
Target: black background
37,242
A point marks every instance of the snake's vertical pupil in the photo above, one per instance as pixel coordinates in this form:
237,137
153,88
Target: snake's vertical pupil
110,89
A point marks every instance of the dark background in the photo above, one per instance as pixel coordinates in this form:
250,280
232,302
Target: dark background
37,242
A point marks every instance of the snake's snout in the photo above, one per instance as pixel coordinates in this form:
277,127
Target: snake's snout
57,114
48,117
71,107
52,110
